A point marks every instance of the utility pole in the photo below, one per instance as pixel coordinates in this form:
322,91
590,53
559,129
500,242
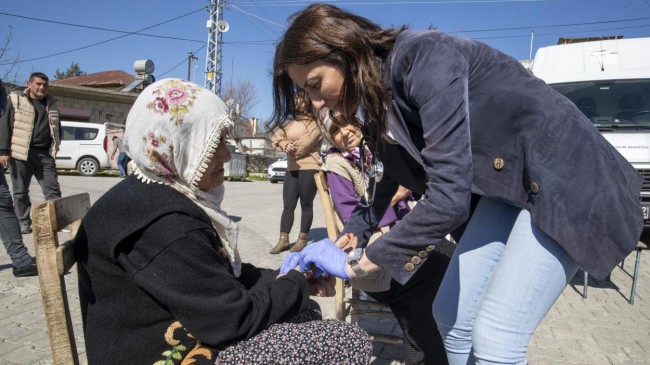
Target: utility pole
190,57
216,28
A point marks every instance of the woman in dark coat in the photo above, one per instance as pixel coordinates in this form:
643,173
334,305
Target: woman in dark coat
160,280
453,119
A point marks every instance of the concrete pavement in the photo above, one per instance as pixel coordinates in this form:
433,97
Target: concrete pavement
602,329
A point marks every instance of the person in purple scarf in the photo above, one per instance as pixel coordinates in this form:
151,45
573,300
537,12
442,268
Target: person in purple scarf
344,176
410,303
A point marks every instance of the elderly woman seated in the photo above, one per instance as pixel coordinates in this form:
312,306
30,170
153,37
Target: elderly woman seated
160,278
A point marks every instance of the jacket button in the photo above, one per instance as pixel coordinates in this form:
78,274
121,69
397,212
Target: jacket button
430,248
415,260
534,187
423,254
409,267
498,163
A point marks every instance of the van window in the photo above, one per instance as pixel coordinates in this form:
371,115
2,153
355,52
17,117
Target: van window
79,133
611,103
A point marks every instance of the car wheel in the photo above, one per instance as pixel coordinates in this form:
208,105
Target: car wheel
273,181
88,166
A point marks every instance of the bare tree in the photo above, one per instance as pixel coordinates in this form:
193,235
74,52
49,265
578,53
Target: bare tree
9,62
243,94
240,97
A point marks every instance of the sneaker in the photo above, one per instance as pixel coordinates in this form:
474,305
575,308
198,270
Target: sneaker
25,271
25,227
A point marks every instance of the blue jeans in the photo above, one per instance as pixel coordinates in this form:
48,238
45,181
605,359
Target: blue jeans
122,161
9,228
502,280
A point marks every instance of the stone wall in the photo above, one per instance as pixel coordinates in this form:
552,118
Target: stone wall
93,111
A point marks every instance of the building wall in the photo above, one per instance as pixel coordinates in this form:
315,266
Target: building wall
93,111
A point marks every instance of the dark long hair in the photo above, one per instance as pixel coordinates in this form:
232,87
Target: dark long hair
352,43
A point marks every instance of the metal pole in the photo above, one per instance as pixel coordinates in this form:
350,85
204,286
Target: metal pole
189,65
214,50
190,57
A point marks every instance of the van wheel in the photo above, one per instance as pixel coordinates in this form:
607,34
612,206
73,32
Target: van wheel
88,166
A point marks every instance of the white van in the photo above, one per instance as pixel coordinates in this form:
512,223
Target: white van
609,81
83,147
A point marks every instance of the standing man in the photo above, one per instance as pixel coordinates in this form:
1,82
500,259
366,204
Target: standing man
122,159
29,140
22,262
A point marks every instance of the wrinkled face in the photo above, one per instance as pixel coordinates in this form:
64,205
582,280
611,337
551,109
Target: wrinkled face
37,88
213,175
321,80
346,137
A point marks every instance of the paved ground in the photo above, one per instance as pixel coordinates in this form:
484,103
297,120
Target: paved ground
602,329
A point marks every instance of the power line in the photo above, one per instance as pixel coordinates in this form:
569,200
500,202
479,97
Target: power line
258,17
180,63
99,28
302,2
105,41
549,26
265,14
571,32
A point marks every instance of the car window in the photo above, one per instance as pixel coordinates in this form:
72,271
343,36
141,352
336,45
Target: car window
79,133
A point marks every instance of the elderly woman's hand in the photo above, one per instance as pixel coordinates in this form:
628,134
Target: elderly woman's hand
401,194
323,286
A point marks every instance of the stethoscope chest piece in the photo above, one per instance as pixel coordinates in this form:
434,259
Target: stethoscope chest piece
376,170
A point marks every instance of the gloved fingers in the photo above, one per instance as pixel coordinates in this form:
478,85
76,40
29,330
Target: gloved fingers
304,264
319,272
290,262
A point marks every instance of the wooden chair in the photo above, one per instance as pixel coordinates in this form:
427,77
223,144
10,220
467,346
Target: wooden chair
349,301
640,246
54,261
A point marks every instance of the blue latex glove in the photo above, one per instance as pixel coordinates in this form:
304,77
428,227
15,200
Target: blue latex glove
290,262
326,257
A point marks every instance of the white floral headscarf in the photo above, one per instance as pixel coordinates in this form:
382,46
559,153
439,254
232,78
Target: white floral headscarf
172,132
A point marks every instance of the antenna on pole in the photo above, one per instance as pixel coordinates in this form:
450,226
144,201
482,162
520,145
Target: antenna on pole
532,35
213,60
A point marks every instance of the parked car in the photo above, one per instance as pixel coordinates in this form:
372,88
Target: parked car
83,147
277,170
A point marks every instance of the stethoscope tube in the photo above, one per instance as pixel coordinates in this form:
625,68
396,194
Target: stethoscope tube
375,171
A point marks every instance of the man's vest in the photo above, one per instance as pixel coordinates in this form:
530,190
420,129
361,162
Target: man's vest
23,126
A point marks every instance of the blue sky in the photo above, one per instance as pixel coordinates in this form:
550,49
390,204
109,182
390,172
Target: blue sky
255,25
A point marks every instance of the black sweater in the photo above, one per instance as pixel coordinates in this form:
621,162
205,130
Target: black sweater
151,265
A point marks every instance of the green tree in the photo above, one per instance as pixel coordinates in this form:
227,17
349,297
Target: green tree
72,71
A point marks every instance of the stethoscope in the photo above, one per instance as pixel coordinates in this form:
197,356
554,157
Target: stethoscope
374,172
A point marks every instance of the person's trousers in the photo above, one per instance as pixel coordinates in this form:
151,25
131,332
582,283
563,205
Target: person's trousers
122,161
298,184
503,278
41,165
9,228
411,304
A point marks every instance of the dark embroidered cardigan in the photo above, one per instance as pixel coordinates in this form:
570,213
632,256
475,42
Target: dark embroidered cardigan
154,286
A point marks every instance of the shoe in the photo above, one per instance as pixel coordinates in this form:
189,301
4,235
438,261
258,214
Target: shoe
25,227
29,270
282,245
300,244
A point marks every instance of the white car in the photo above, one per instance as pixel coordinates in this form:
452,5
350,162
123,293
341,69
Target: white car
83,147
277,170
